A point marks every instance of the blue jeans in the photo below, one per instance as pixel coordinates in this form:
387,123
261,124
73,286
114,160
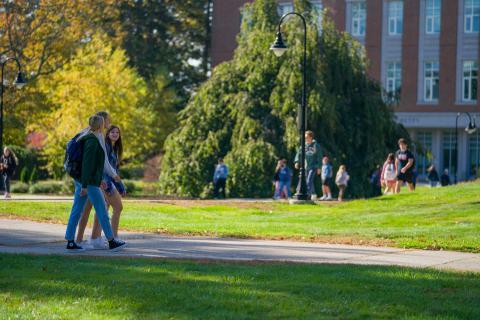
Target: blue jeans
97,199
282,186
310,181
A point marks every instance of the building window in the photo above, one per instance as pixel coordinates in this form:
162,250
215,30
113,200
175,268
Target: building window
433,16
284,8
431,81
473,155
395,17
359,18
470,80
394,77
472,15
317,11
424,152
449,152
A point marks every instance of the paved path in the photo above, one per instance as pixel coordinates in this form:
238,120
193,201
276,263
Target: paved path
19,236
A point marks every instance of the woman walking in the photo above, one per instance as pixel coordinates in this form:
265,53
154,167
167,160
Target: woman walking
389,175
341,181
113,192
8,164
93,162
283,177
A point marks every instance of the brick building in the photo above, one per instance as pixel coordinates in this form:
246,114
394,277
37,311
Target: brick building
425,50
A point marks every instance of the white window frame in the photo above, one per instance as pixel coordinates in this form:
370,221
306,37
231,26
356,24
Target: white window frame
431,78
317,10
393,82
433,16
359,18
471,14
469,79
284,7
395,18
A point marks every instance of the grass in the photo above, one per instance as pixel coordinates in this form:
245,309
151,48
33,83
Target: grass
439,218
94,288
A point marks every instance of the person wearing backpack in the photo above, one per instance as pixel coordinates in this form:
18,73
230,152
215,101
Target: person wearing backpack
8,165
88,186
113,193
389,174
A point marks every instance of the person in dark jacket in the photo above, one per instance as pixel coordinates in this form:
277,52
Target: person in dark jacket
8,165
445,178
113,192
432,176
313,162
93,162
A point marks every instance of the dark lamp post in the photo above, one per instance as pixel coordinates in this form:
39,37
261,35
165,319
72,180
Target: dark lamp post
18,83
279,48
471,128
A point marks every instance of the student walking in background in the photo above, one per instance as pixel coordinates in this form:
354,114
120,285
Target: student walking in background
313,160
432,176
445,178
88,186
8,165
113,192
404,164
284,176
327,174
220,179
341,180
389,174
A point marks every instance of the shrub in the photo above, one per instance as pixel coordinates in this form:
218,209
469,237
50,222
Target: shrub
47,187
132,171
34,175
24,175
28,159
19,187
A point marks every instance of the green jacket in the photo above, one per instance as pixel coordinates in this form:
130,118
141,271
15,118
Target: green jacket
313,155
93,161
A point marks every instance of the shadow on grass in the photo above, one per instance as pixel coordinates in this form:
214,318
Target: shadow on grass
124,288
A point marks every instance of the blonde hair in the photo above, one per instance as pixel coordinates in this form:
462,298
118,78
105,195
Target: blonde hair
11,154
342,167
95,122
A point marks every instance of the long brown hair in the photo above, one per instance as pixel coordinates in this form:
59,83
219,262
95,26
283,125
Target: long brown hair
118,147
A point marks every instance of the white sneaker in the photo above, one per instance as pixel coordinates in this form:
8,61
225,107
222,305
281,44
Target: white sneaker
85,244
98,244
328,198
323,198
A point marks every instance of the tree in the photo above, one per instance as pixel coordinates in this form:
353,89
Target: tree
168,35
97,78
246,112
44,35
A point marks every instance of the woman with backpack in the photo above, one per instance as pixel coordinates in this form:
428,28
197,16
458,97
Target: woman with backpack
389,175
8,164
113,192
88,186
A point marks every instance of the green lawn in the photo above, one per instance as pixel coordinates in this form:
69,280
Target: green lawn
447,218
88,288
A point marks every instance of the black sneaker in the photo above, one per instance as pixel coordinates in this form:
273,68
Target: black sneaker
72,247
116,245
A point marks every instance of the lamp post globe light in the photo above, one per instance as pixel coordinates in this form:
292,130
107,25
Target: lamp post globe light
471,128
18,83
279,48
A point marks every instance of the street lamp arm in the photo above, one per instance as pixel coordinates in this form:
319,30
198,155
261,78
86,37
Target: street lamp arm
292,13
7,59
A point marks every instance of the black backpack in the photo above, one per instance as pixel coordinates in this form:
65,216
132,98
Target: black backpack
73,158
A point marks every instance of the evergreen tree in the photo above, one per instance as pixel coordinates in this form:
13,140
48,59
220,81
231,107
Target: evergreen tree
247,111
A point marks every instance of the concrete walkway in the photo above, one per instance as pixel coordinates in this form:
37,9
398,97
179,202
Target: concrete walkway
20,236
